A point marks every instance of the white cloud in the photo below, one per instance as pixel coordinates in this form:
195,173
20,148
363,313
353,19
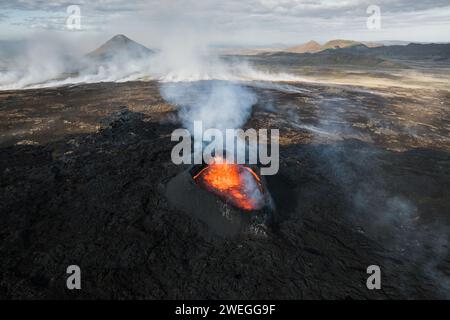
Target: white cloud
246,21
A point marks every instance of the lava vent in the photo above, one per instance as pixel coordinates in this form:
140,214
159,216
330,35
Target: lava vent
236,184
230,198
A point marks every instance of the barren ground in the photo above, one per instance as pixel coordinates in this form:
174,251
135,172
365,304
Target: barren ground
364,180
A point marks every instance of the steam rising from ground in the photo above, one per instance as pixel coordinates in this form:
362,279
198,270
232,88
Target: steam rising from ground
49,62
387,214
36,62
218,104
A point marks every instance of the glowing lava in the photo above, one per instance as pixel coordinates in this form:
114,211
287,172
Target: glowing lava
234,183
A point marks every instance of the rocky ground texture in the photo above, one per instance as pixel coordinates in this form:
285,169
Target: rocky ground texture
83,176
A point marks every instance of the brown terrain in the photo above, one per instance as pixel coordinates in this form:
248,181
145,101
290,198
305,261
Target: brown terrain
364,180
308,47
311,46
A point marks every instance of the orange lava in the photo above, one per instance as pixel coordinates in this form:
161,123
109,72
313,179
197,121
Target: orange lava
234,183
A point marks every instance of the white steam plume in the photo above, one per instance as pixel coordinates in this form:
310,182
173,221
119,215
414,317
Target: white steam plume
50,61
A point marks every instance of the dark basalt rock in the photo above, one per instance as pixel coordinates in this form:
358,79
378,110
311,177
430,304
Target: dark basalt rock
102,200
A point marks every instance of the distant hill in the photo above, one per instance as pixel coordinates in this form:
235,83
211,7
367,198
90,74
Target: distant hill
414,51
120,45
308,47
392,43
327,58
353,53
338,44
332,53
311,46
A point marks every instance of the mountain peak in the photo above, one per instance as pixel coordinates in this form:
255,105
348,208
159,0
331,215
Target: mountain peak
120,37
120,45
339,43
312,42
310,46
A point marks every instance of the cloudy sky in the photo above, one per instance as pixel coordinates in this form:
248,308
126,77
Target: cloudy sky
229,22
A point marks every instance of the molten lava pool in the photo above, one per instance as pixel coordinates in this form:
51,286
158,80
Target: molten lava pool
235,184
